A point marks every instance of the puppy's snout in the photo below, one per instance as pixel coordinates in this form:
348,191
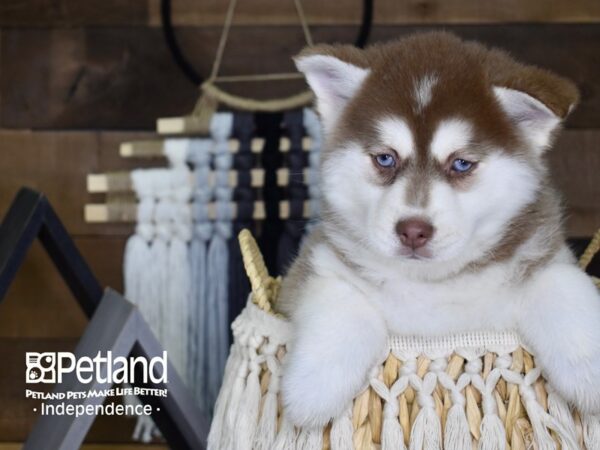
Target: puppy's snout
414,232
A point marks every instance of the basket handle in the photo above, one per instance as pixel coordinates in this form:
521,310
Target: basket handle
264,287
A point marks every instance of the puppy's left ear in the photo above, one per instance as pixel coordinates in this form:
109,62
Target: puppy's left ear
535,100
535,121
335,74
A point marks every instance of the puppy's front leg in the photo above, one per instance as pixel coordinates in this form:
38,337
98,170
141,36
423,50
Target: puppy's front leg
561,321
338,337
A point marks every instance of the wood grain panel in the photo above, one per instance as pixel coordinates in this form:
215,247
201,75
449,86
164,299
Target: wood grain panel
388,12
57,163
72,13
39,304
123,78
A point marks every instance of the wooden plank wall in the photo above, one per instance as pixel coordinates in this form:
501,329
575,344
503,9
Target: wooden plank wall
78,77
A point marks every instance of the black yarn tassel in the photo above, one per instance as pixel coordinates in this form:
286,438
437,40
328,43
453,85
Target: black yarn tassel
296,190
243,195
269,126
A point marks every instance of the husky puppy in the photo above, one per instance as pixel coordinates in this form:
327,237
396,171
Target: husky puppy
438,217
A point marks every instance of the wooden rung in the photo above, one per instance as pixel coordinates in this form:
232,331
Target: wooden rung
141,149
155,149
181,125
99,183
126,212
283,177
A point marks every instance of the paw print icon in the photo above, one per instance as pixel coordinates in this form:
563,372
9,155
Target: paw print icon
40,367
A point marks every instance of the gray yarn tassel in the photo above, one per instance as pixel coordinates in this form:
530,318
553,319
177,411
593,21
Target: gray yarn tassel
199,156
217,320
313,128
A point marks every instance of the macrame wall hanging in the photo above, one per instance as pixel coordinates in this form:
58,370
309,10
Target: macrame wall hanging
253,168
225,172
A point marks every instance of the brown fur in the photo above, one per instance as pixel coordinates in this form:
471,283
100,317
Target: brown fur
467,73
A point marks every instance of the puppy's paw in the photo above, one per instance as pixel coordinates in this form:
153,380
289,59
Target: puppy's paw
316,391
578,383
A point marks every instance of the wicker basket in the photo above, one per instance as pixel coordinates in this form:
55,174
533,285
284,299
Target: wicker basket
460,392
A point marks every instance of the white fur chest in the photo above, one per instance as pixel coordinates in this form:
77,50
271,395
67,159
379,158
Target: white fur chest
471,302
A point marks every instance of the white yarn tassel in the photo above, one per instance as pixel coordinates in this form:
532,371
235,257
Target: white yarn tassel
341,431
287,436
310,439
591,431
392,436
265,432
456,434
493,434
426,433
560,410
540,420
216,440
248,412
236,398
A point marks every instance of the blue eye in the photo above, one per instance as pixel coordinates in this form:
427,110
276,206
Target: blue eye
385,160
461,165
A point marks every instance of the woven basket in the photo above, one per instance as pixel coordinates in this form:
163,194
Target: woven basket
459,392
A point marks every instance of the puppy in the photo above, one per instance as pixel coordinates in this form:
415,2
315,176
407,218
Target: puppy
438,217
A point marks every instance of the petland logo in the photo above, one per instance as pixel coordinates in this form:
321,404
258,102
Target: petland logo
49,367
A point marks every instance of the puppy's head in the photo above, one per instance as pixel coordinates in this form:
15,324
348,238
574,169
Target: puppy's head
434,144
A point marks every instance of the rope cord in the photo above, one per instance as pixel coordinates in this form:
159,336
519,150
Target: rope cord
192,74
223,40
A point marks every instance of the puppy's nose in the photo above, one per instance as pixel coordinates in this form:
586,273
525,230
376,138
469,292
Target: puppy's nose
414,233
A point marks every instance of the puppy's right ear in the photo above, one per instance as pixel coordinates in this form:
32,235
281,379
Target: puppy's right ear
333,81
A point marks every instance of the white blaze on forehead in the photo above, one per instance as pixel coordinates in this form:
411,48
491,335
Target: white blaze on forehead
451,135
395,133
423,91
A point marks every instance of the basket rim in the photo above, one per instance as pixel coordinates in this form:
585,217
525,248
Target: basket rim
280,328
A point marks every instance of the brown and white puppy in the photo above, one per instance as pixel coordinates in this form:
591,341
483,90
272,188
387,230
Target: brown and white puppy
438,217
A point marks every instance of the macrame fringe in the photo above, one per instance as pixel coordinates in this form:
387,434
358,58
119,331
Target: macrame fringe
342,431
266,430
237,393
217,319
493,434
310,439
199,155
426,433
248,412
560,411
456,433
542,423
392,436
591,431
179,288
287,436
216,440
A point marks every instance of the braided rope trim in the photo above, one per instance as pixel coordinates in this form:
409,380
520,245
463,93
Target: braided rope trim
249,104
